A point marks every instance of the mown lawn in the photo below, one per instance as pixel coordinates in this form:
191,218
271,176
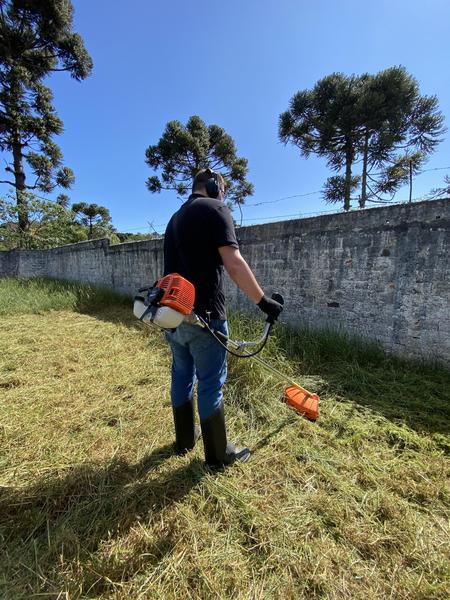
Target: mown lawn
93,504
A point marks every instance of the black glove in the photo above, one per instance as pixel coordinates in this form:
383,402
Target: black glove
272,308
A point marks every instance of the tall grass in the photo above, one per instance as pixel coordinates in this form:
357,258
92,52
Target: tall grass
94,504
409,392
39,295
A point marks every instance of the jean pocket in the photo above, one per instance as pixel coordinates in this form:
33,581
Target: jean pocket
219,325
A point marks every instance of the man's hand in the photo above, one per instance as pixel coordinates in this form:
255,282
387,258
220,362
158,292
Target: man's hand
272,308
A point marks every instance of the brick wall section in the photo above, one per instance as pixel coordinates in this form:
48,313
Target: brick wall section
383,272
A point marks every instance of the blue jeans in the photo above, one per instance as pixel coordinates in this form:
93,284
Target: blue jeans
197,355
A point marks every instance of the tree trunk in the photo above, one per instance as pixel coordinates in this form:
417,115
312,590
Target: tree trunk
363,198
90,228
348,175
410,180
19,178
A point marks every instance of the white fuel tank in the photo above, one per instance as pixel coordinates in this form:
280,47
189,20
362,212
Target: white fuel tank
163,316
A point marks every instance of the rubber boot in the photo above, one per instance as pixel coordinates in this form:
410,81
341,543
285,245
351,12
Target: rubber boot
219,452
186,433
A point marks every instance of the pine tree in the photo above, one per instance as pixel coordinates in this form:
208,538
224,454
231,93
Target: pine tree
36,39
400,129
184,150
379,119
325,121
93,216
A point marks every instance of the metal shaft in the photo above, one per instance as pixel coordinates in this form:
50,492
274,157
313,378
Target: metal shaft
194,320
259,360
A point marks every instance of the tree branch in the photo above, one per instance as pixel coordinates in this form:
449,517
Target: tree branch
373,193
188,164
372,178
217,163
379,199
169,188
242,216
22,23
62,69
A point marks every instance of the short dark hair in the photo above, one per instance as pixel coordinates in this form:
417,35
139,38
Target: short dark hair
204,175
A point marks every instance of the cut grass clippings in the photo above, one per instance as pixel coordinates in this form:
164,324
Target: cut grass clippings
93,503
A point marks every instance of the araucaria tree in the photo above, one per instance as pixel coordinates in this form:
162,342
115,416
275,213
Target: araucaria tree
400,128
183,150
325,121
36,38
93,216
380,120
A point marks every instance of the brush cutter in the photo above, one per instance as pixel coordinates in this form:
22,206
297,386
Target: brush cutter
170,301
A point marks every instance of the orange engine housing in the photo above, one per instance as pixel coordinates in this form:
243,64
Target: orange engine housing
179,293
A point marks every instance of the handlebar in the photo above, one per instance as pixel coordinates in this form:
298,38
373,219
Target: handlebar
240,345
267,325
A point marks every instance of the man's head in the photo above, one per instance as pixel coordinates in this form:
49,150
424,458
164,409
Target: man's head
209,183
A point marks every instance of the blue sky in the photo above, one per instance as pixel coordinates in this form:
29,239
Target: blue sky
236,64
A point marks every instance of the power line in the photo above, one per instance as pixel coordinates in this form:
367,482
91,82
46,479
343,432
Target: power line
327,212
298,215
285,198
127,229
320,191
436,169
257,218
280,200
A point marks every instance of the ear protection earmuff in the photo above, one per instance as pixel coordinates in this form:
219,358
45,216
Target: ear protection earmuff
212,185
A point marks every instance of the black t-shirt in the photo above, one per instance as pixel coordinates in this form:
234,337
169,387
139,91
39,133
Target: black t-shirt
191,242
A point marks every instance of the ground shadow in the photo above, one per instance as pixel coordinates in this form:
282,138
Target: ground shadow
121,314
266,440
72,515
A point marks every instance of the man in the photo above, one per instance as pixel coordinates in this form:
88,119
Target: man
199,242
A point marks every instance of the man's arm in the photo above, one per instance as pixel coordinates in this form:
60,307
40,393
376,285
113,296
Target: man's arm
243,277
239,271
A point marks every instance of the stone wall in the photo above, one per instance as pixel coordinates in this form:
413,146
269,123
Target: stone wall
383,273
124,267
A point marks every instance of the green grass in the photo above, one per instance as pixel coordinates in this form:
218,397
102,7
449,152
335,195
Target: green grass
409,393
93,504
39,295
